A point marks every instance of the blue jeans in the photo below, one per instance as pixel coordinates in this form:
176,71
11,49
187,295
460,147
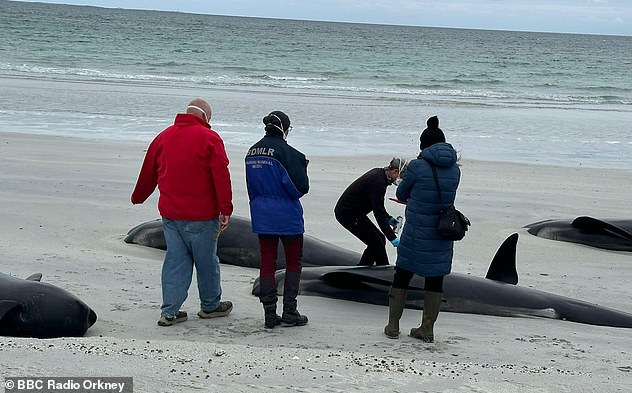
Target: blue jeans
190,243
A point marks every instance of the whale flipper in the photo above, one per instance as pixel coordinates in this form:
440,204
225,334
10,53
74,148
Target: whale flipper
6,306
595,225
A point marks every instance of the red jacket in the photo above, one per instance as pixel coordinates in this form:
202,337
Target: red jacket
188,163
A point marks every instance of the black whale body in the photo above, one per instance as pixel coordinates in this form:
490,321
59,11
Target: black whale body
239,246
329,271
30,308
496,294
609,234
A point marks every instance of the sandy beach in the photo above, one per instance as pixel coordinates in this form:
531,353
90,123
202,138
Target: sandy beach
65,210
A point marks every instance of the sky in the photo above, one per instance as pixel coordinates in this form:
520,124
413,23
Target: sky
612,17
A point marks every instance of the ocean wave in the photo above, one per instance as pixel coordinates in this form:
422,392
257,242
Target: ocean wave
27,70
186,50
437,89
295,78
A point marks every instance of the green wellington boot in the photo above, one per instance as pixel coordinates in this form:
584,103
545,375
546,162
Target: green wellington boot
396,302
432,304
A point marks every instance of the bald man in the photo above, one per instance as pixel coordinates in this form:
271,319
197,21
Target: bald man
188,163
200,108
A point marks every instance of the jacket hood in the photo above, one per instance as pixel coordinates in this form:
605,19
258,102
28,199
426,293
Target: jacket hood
439,154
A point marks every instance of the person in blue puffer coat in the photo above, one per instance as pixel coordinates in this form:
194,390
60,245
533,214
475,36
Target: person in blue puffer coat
421,250
276,177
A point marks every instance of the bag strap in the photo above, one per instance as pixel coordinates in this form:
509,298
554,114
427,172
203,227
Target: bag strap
434,175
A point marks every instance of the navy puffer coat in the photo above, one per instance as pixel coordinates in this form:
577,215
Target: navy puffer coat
421,250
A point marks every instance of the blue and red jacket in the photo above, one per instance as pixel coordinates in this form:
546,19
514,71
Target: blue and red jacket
276,176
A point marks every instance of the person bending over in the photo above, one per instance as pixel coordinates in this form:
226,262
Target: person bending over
365,195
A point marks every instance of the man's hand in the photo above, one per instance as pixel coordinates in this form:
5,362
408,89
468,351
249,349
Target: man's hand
223,222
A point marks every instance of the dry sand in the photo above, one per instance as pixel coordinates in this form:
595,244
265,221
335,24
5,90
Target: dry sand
65,209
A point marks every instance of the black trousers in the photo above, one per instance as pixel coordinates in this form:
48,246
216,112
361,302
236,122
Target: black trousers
362,228
402,278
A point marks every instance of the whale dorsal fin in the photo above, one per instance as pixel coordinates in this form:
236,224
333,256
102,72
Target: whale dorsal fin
503,266
595,225
34,277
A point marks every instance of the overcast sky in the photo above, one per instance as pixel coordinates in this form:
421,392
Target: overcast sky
569,16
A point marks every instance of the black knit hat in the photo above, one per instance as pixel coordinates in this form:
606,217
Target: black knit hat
432,134
276,120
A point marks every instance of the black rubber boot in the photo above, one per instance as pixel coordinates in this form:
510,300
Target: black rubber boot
291,317
272,319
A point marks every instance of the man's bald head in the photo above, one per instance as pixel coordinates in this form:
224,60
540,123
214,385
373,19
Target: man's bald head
200,108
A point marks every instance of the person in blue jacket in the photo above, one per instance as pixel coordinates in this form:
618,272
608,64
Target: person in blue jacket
421,250
276,177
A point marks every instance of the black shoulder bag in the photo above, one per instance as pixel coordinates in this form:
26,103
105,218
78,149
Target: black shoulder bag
452,223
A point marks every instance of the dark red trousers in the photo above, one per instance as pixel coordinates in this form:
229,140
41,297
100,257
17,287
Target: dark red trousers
268,251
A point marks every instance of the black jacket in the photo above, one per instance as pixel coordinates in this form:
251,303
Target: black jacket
365,195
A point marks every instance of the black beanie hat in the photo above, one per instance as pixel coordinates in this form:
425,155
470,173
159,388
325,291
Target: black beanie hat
432,134
276,120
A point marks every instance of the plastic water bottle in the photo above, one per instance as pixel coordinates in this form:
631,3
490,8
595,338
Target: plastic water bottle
399,225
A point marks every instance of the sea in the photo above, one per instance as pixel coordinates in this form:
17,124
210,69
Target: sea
349,89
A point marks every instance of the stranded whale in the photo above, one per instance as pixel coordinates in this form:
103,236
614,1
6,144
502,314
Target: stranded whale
30,308
607,234
329,271
237,245
496,294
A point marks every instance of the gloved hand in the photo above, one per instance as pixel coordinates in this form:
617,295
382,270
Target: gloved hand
395,242
393,221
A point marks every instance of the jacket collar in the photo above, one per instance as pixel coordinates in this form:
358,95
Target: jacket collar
188,118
